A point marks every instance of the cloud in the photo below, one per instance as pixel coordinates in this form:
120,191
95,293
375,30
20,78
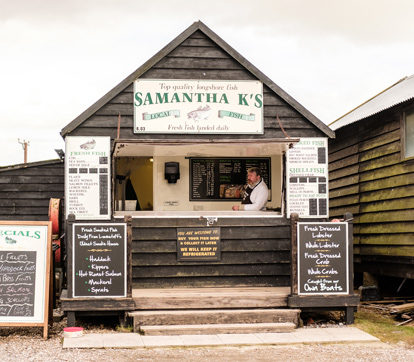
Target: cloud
59,57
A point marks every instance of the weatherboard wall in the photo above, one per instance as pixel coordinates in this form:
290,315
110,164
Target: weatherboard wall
197,57
25,190
254,252
369,178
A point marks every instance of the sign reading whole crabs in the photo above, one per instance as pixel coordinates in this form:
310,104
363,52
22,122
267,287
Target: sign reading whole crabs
198,106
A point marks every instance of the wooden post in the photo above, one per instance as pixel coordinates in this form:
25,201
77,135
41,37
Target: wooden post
294,254
71,321
349,311
69,247
128,221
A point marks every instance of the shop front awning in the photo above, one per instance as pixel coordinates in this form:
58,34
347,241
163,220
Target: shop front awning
203,147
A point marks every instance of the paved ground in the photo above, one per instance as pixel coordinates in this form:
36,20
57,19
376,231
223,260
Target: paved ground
27,344
299,336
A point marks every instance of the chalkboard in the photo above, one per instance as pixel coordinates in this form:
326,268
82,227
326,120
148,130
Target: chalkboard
25,256
323,260
99,260
223,179
198,244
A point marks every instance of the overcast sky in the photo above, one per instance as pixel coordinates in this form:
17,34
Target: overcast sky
58,57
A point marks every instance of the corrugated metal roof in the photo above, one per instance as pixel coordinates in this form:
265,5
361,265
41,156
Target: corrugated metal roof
399,92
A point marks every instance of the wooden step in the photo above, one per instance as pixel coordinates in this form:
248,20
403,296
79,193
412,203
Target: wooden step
235,328
213,298
213,316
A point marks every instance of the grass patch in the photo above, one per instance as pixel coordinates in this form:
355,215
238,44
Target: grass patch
384,328
124,329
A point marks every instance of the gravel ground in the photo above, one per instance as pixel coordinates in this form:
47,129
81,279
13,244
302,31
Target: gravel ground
27,344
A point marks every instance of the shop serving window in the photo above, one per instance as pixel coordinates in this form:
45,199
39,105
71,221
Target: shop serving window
224,179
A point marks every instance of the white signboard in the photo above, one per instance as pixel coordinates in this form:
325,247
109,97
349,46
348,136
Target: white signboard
307,178
24,268
198,106
87,178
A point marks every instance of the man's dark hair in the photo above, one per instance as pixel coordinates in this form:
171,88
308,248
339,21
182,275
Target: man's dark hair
256,170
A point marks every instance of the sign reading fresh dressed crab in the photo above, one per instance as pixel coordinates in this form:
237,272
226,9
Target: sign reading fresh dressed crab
198,106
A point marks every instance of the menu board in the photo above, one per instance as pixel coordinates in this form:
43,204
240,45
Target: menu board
323,260
99,260
223,179
87,177
24,268
201,244
307,178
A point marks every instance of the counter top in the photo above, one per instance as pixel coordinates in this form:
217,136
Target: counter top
198,214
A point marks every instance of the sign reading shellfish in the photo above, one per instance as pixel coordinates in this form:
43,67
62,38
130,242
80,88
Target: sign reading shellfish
198,106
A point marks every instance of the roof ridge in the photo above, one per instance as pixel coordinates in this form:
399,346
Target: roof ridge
29,164
370,99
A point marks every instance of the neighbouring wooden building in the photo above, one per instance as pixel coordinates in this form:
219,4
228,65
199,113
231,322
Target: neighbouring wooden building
26,189
371,170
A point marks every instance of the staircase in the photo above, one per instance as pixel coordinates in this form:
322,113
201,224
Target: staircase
212,311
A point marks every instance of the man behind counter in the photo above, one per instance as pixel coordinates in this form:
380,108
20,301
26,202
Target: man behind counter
256,193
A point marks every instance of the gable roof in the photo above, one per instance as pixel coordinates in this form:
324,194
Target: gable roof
198,25
30,164
397,93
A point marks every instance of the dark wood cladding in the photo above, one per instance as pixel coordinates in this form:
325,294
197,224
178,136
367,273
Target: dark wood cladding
198,57
25,190
255,252
370,179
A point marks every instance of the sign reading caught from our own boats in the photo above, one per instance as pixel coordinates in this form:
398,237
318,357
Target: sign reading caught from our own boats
198,106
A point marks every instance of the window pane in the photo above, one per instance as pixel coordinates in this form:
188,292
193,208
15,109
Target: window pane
409,134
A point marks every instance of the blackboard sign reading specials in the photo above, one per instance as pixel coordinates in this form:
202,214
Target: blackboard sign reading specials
25,255
99,260
198,244
323,260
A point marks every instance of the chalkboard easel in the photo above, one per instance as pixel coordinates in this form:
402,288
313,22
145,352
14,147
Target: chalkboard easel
26,274
327,260
102,245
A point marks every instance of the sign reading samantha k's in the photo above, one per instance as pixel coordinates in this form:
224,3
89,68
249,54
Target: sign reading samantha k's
194,106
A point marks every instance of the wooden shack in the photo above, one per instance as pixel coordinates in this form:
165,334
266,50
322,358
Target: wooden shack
181,180
371,170
26,189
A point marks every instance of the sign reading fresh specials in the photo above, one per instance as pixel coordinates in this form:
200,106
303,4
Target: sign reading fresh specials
307,178
23,272
87,172
198,106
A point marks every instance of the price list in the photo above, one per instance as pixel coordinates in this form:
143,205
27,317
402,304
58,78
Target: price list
99,260
87,177
17,283
323,258
210,177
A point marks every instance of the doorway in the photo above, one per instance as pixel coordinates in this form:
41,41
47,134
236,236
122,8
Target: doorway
134,184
